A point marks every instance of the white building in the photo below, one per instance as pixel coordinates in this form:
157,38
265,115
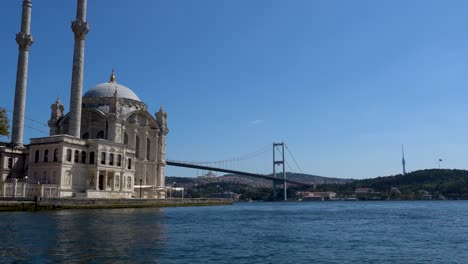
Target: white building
102,147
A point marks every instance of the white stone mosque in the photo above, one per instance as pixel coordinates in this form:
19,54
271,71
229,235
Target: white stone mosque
102,148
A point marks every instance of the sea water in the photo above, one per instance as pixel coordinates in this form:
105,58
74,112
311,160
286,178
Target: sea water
280,232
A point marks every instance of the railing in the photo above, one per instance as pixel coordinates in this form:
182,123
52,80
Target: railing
17,189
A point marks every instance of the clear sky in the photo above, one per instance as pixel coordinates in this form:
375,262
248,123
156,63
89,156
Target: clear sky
343,83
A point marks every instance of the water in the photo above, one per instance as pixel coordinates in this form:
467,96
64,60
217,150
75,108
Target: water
307,232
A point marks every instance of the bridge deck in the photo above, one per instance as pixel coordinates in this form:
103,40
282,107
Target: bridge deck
242,173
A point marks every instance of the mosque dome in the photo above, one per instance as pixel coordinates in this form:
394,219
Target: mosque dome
108,90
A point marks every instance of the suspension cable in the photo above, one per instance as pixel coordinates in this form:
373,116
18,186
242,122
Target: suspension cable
297,164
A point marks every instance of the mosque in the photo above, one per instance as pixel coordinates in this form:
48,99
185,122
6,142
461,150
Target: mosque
105,145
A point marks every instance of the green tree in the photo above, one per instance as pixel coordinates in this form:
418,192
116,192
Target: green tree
4,126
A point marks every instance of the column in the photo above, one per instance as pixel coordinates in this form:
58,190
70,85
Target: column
113,181
105,181
96,182
24,40
122,181
80,28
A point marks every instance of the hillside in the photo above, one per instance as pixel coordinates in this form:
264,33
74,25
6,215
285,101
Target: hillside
251,181
246,187
449,183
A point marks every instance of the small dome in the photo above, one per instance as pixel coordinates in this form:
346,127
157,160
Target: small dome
108,89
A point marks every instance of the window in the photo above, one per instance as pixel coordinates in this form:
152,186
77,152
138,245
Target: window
100,134
119,160
111,159
125,138
46,155
85,135
148,148
55,155
129,164
103,158
83,157
10,163
53,180
36,156
69,155
44,177
91,157
137,147
77,155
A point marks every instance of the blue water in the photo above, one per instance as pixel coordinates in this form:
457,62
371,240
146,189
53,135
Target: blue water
307,232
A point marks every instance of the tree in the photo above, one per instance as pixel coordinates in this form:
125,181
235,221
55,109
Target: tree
4,126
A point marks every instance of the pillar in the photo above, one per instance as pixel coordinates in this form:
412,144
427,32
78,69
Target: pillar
105,181
24,40
80,28
113,181
96,182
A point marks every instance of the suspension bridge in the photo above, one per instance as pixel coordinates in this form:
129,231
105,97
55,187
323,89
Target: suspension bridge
254,161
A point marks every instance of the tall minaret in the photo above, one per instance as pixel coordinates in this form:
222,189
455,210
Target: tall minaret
24,40
80,27
403,159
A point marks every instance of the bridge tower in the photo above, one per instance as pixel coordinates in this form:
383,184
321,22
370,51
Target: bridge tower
278,163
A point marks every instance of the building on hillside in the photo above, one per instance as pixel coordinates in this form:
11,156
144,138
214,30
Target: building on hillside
363,190
314,196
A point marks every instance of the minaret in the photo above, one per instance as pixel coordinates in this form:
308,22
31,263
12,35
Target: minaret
80,27
403,159
24,40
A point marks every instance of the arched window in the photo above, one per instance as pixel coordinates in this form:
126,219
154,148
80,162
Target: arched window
85,135
125,138
148,148
55,155
111,159
83,157
69,155
103,158
137,147
129,164
36,156
77,155
46,155
119,160
100,135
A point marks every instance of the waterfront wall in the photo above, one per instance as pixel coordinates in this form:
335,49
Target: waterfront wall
78,203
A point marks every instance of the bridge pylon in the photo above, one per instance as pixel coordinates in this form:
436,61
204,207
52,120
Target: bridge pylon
278,162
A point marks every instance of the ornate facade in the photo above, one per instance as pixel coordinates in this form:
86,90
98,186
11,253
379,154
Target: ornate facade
121,145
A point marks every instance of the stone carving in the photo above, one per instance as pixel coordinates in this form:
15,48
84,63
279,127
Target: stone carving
68,178
129,182
80,28
24,41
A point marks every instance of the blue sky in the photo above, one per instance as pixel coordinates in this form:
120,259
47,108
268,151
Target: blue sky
343,83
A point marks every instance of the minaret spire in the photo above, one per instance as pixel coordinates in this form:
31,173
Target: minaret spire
80,28
24,40
403,159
